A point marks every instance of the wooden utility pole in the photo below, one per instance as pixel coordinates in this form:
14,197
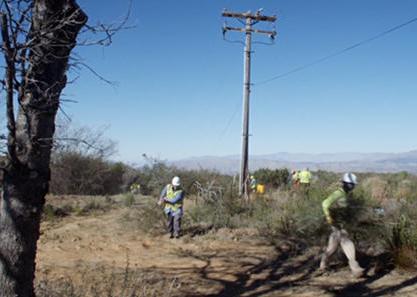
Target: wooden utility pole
251,19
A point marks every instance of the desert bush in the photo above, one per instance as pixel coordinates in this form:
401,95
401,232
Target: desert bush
377,187
76,174
147,217
156,174
401,235
295,217
226,211
404,190
92,204
274,178
128,199
51,212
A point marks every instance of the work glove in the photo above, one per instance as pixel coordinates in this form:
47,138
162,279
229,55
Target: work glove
166,200
329,220
160,202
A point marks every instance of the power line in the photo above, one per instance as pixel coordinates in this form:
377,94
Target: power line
338,53
229,122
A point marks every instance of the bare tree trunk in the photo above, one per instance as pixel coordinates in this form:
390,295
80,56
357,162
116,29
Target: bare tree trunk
53,33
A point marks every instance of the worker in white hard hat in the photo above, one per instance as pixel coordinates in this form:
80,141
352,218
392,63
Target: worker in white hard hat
172,197
335,210
253,183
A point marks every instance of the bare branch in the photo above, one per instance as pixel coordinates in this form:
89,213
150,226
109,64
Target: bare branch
100,77
108,30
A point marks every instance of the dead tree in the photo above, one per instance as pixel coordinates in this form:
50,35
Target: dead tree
38,37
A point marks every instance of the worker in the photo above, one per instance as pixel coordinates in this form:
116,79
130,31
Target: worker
335,208
135,188
253,183
172,197
295,180
304,177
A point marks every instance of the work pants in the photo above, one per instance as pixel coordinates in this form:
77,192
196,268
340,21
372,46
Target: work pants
174,224
340,236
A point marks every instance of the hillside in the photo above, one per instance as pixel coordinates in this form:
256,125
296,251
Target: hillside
369,162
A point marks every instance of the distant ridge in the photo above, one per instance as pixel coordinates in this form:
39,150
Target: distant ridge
338,162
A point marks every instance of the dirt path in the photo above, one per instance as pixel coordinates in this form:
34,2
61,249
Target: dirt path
220,264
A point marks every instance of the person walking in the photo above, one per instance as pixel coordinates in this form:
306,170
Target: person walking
335,208
295,180
304,177
135,188
172,197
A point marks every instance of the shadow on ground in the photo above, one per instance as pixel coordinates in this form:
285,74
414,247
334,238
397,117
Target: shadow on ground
282,273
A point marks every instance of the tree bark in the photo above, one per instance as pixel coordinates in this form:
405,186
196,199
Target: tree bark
54,29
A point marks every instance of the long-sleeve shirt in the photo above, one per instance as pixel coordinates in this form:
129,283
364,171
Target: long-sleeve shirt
338,199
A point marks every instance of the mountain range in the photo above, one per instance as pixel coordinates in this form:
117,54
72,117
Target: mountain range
337,162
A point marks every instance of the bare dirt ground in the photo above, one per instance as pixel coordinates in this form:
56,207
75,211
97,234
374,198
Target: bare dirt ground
223,263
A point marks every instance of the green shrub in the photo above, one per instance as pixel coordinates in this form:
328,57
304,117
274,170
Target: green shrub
78,174
90,205
226,211
402,240
51,212
274,178
148,217
128,199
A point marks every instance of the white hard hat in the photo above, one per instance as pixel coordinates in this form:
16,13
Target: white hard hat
176,181
350,178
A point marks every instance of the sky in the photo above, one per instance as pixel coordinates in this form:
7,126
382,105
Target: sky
178,90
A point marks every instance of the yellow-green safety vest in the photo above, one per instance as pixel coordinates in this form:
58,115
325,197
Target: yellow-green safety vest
304,176
170,195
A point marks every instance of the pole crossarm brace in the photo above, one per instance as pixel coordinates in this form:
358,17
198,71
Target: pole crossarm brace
269,33
249,15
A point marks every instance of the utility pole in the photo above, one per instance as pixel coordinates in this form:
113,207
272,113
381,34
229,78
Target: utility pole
250,20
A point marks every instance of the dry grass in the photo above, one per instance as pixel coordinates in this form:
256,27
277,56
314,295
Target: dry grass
108,282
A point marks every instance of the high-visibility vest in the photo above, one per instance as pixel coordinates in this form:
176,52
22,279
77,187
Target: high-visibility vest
253,184
170,195
305,177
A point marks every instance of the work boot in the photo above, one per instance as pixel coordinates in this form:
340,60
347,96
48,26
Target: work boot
323,262
357,271
321,272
